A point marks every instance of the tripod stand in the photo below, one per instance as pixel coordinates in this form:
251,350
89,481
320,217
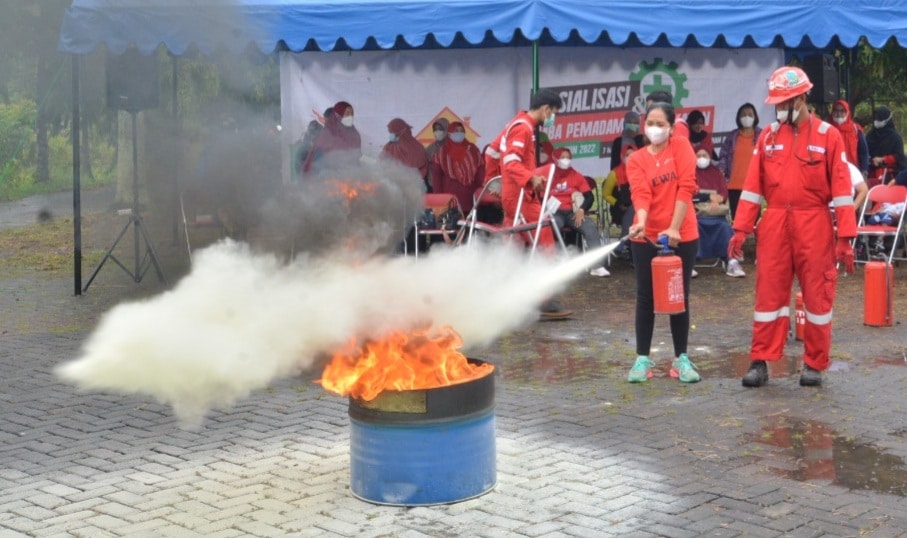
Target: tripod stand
142,263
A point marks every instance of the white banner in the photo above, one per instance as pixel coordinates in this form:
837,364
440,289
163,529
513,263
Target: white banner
484,88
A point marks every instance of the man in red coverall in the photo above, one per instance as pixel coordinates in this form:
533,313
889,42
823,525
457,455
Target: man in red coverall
512,156
797,169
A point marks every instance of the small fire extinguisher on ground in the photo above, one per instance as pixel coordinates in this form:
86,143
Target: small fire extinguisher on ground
667,280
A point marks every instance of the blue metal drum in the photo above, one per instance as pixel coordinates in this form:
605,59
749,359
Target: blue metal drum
424,447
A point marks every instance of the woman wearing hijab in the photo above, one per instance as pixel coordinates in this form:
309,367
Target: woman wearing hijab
629,137
439,130
339,135
403,147
458,167
886,148
854,140
699,137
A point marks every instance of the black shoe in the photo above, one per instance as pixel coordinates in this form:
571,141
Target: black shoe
757,375
810,377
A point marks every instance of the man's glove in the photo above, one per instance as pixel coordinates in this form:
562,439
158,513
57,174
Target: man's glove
735,246
844,255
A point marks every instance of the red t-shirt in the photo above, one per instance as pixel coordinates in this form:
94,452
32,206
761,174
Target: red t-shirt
658,181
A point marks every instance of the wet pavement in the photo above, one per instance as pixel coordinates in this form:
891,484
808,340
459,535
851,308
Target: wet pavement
580,452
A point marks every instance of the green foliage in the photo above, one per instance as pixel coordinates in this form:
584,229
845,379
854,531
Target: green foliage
18,154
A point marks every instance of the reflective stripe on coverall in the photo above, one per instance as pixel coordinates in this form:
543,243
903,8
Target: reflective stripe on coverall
797,174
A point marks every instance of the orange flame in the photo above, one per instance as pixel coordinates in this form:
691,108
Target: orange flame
350,190
400,362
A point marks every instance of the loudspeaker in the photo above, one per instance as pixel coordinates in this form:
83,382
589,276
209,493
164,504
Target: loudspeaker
822,70
132,81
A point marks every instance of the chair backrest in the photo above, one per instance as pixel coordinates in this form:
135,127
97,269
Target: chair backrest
892,194
490,193
440,202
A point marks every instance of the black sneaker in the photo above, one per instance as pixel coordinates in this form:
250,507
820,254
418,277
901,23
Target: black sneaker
810,377
757,375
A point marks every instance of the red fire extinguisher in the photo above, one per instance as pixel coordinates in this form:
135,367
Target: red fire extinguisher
667,280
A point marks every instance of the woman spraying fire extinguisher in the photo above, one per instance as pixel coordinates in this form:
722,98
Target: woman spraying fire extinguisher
662,180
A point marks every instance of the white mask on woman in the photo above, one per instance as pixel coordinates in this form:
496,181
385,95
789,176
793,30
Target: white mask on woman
703,162
347,121
563,164
747,121
439,135
656,135
457,137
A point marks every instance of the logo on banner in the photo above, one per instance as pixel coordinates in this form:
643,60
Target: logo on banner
660,76
426,135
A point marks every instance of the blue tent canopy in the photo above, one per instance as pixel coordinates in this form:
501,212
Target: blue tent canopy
297,25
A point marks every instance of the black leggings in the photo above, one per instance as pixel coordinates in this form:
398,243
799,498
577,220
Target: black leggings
643,253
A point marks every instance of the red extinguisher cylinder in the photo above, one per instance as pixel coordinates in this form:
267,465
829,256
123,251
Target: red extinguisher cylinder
878,294
667,281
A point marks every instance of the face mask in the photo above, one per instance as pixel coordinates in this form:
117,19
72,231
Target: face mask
563,164
549,121
392,137
457,137
747,121
440,135
347,121
543,158
632,127
790,115
703,162
656,135
839,119
879,124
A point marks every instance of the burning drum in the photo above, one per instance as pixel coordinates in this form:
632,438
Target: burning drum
424,447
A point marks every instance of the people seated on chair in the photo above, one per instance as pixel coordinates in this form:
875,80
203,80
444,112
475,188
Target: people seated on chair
339,138
575,197
885,214
616,191
403,147
457,167
711,213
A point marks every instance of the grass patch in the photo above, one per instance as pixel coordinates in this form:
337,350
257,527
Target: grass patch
43,247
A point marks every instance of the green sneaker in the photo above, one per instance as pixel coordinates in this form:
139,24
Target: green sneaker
641,371
684,370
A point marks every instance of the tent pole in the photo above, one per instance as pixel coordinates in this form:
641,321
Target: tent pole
535,66
76,180
175,201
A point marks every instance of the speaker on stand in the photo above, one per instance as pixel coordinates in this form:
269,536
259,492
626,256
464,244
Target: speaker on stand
822,70
132,86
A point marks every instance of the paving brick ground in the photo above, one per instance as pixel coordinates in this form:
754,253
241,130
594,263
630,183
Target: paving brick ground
579,451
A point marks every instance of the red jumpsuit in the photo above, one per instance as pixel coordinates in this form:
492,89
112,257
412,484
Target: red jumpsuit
512,156
797,172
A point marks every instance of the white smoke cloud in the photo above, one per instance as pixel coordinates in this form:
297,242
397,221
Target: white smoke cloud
240,320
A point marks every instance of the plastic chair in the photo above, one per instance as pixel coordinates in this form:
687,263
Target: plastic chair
878,195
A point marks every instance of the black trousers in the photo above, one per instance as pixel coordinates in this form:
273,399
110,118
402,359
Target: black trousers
643,254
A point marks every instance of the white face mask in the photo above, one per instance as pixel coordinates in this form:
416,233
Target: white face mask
839,119
563,164
703,162
457,137
747,121
347,121
656,135
879,124
440,135
783,114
